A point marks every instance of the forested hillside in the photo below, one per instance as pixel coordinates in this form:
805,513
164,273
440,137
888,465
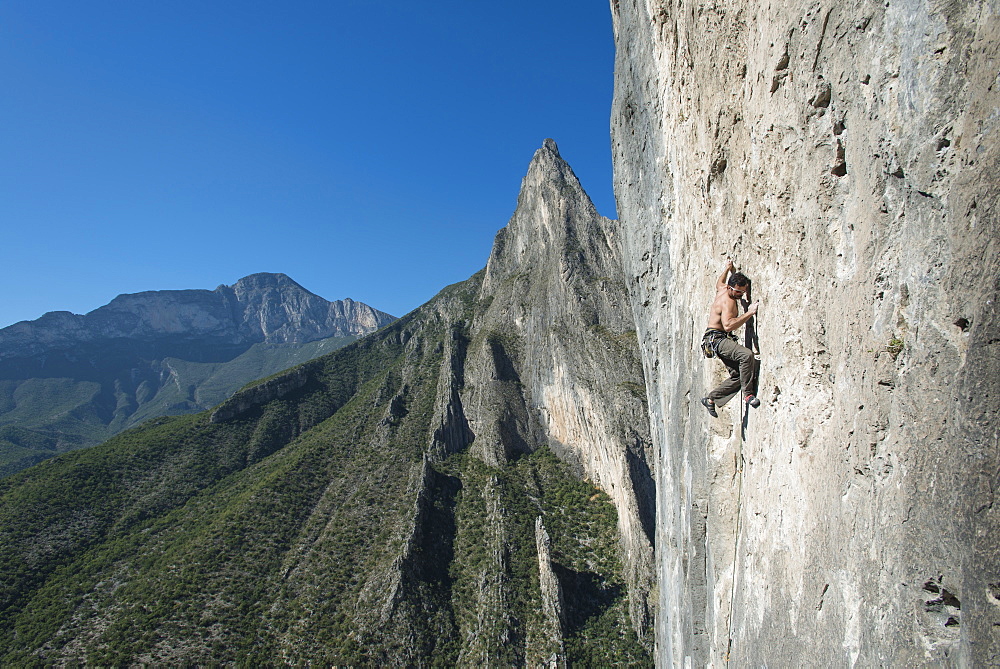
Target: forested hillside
417,497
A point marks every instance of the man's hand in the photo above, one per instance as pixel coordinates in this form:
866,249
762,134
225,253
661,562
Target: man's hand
752,309
720,283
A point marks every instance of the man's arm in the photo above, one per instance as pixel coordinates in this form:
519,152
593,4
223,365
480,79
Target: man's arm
731,322
721,283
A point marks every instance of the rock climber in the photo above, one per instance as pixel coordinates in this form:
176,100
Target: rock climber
723,319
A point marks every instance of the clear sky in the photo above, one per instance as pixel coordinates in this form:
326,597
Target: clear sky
368,149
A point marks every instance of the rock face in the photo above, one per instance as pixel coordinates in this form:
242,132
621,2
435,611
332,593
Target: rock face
262,393
846,156
562,365
68,381
552,598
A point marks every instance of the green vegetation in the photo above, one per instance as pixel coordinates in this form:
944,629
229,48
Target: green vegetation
56,415
20,448
625,342
637,390
495,515
311,529
895,347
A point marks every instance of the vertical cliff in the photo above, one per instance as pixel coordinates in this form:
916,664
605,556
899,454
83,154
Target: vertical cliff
560,332
846,156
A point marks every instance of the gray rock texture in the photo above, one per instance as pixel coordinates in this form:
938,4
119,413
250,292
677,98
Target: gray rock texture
260,394
560,365
552,598
846,157
547,356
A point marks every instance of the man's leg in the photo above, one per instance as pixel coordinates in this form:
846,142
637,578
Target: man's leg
742,359
729,386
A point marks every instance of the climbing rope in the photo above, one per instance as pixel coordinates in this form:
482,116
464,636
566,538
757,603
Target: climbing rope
744,415
736,543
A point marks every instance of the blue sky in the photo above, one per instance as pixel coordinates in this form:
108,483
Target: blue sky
368,149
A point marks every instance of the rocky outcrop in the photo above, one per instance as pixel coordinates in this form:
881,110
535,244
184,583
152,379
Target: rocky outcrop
556,360
846,156
282,311
552,600
545,357
470,485
260,394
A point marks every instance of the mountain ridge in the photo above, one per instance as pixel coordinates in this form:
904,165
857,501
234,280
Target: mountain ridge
68,380
227,312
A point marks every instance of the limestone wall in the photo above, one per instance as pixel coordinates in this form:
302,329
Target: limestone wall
845,155
560,363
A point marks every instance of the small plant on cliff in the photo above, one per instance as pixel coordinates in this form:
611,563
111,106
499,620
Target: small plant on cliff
894,347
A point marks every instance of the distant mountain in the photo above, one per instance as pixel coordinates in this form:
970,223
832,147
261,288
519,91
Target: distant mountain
68,380
469,486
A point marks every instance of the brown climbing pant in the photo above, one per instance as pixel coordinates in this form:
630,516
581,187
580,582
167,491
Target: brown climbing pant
742,369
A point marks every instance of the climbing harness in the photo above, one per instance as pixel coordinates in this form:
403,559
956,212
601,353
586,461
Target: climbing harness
710,341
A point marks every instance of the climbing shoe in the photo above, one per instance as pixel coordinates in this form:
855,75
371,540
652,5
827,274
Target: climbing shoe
710,405
753,401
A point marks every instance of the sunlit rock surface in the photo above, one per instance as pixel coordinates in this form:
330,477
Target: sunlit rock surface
268,308
562,343
846,157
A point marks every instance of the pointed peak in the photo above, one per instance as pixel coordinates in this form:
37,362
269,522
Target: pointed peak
548,154
550,207
266,280
548,160
548,169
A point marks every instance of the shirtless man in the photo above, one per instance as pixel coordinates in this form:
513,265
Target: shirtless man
723,319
